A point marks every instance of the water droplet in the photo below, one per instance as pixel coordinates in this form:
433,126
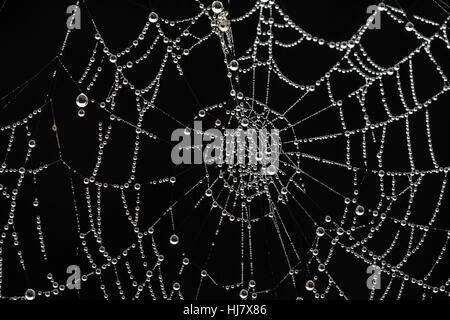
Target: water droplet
243,294
32,143
217,7
30,294
359,210
81,113
113,59
271,170
82,100
153,17
174,239
320,231
409,26
233,65
309,285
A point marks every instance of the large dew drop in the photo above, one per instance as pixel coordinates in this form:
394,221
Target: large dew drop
233,65
153,17
359,210
174,239
82,100
309,285
243,294
30,294
217,7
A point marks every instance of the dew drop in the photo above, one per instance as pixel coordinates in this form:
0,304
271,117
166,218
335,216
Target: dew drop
30,294
309,285
174,239
153,17
82,100
409,26
320,231
359,210
233,65
271,170
217,7
243,294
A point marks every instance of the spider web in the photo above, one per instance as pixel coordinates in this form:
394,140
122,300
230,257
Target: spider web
361,183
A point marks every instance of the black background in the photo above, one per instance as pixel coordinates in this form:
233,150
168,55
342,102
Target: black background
31,34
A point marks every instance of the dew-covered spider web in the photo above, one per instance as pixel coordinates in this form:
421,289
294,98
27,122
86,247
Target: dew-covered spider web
86,176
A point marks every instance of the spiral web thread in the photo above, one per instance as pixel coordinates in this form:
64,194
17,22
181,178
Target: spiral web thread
224,195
